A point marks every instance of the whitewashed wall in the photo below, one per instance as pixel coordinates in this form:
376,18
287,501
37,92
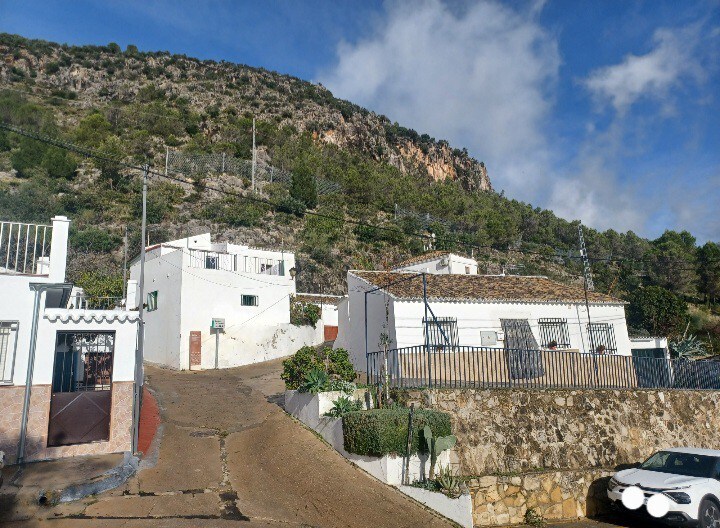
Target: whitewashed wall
474,317
163,273
351,330
456,265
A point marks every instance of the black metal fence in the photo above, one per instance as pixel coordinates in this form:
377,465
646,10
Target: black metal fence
481,367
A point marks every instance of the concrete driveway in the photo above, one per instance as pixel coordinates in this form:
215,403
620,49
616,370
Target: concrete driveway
230,455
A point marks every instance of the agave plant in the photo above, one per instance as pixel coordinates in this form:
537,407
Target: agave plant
342,406
687,347
448,481
316,380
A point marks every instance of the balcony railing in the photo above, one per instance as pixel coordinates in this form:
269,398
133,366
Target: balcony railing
480,367
24,248
203,259
93,302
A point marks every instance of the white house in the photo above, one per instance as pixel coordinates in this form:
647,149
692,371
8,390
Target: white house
498,312
218,304
439,262
66,368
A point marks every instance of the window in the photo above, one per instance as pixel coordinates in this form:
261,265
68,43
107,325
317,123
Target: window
554,332
152,301
602,338
249,300
8,341
467,270
212,262
441,331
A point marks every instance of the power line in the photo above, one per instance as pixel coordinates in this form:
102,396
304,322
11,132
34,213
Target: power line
91,153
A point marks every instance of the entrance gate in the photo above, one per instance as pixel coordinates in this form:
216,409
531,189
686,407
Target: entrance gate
81,399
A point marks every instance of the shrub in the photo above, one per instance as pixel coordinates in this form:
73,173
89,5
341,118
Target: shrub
380,432
94,239
304,313
335,363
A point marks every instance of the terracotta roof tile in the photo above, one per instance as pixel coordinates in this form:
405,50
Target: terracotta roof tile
491,288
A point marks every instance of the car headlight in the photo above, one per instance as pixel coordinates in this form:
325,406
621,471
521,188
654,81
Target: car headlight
612,484
678,496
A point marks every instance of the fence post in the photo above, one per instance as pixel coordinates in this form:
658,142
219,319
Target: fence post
427,336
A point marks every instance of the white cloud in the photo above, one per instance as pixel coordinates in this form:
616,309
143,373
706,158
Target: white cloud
481,78
485,77
653,74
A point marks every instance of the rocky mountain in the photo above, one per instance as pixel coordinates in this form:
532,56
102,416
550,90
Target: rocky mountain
97,76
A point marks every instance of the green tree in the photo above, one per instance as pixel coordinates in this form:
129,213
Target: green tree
657,311
673,262
303,186
112,151
93,130
28,155
709,271
59,163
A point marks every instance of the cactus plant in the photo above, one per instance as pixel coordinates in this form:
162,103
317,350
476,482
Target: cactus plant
435,446
316,380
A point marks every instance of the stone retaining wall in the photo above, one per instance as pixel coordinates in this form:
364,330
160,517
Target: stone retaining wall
502,431
500,500
561,445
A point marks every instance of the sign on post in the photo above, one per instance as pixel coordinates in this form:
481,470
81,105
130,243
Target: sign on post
218,323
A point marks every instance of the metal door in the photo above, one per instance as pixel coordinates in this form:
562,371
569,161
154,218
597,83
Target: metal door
81,398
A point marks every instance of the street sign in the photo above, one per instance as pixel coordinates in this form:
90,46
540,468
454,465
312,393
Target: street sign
218,323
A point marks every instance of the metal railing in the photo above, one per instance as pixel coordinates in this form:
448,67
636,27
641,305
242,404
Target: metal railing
481,367
200,258
24,248
94,302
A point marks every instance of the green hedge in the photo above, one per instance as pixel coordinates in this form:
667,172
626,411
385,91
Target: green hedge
380,432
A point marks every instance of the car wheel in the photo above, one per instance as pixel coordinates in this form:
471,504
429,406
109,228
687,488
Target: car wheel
709,514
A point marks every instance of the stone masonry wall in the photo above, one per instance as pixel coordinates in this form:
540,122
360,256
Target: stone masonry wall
501,431
552,495
552,450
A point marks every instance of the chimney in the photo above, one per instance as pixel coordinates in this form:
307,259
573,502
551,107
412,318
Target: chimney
58,248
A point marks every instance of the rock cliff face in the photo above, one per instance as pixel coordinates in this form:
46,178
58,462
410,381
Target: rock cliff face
90,76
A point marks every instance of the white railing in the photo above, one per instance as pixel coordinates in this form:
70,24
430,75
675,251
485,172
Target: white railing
24,248
200,258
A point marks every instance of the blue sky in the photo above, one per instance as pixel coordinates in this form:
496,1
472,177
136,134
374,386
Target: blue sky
607,111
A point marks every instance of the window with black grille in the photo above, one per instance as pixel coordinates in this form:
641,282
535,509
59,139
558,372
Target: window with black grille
554,331
249,300
602,338
442,331
83,361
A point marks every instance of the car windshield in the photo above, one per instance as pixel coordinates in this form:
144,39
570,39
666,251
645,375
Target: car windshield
681,464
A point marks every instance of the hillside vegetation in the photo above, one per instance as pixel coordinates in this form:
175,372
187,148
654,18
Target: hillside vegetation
133,106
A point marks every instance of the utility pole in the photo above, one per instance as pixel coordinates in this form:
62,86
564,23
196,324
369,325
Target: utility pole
254,158
587,286
125,252
139,352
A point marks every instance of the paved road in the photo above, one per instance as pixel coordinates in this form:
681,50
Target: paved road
229,455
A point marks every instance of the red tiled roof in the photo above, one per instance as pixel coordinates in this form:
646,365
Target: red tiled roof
417,259
492,288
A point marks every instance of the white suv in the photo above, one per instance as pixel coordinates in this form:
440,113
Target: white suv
689,478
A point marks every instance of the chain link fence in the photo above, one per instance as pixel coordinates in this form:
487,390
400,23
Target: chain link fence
220,163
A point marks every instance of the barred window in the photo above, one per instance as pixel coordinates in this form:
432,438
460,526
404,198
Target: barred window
441,331
249,300
602,338
554,331
8,341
